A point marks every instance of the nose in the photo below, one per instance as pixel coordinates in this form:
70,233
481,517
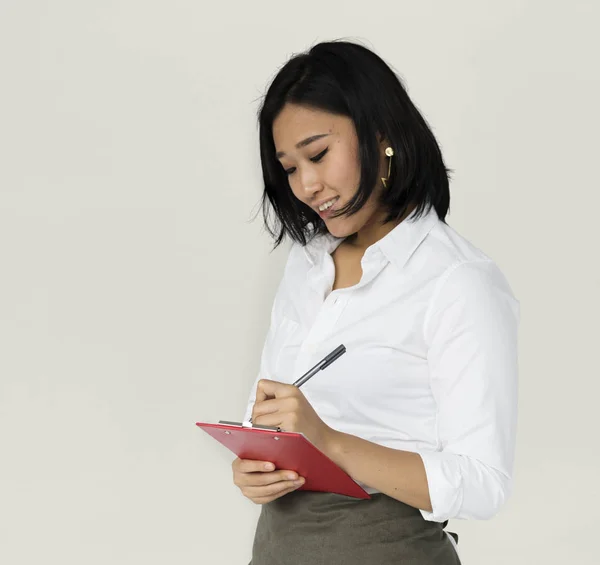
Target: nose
311,184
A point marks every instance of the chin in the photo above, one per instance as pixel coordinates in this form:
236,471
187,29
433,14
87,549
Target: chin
339,229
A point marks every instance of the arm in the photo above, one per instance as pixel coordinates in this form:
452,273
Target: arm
259,481
399,474
269,350
471,331
472,336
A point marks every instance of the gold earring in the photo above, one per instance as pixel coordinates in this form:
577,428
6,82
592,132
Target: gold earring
389,152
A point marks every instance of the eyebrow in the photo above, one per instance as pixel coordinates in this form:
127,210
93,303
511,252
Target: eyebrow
303,143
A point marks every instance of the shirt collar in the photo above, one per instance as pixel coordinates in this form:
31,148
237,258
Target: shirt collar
397,245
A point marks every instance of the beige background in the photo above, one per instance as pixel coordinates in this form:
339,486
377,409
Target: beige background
135,291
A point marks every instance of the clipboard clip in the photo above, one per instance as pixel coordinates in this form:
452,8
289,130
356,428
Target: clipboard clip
250,425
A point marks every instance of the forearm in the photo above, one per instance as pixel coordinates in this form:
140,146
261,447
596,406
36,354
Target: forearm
398,474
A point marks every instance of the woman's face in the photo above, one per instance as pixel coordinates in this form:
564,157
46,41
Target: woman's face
319,152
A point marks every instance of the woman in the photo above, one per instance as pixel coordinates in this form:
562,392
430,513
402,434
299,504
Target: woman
421,410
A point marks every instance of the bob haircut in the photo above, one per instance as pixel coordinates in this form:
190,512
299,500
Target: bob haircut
347,79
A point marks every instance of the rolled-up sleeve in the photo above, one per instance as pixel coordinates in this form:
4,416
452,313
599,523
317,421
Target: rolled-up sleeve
471,333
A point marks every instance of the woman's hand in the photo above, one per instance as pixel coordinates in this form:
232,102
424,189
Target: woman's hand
259,482
284,406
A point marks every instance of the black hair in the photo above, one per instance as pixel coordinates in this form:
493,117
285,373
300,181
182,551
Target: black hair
348,79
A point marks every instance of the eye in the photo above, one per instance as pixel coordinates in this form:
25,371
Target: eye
318,157
314,159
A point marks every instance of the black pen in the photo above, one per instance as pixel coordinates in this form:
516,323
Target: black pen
322,364
328,360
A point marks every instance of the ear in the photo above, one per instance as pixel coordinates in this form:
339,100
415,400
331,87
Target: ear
382,140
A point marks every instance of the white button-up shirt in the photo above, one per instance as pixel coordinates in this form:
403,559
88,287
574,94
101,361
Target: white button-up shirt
431,356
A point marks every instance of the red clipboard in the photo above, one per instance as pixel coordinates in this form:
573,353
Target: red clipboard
286,450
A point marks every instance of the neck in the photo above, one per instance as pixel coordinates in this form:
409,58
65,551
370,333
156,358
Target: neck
375,230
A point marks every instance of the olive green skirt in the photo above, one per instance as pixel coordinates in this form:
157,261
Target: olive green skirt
314,528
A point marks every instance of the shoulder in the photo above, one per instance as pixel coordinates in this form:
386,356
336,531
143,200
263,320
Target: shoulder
473,280
297,260
466,278
447,256
296,267
472,295
466,264
449,248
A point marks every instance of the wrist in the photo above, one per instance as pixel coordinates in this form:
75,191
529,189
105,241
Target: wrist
332,444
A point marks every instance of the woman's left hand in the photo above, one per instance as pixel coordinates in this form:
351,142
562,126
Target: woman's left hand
284,406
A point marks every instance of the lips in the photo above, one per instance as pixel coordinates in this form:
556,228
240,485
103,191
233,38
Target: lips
326,213
316,207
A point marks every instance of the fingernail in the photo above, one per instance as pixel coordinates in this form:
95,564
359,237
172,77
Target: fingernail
299,482
269,466
291,477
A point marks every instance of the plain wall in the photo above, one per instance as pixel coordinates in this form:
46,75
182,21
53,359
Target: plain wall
135,290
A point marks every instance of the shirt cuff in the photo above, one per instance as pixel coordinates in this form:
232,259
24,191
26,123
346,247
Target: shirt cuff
445,482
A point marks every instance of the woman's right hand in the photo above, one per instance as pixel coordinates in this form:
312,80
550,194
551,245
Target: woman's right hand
259,482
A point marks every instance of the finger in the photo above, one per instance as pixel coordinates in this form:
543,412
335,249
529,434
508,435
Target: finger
271,490
275,497
264,500
252,466
272,420
273,389
268,406
261,393
263,479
